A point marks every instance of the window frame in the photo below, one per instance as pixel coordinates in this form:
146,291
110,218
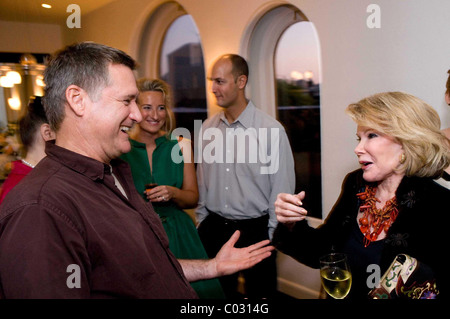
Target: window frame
151,38
258,45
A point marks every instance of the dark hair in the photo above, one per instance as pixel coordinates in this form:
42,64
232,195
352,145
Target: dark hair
239,65
83,64
30,123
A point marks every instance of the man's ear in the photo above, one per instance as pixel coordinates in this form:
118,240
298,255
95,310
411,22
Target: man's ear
447,98
242,81
47,133
76,98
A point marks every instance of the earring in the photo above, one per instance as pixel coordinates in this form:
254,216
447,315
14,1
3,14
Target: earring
402,158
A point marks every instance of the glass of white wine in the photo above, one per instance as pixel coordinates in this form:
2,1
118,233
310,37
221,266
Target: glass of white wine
335,275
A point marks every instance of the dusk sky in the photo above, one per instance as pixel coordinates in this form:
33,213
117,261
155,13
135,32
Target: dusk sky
298,51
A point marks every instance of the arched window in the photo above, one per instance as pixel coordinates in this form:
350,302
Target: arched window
276,44
170,49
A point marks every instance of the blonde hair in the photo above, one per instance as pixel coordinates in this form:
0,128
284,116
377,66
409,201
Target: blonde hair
412,123
157,85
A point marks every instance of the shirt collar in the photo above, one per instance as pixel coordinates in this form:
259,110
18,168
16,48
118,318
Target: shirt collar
158,142
161,140
245,118
80,163
137,144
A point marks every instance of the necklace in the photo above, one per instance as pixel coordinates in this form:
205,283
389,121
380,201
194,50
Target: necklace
27,164
375,220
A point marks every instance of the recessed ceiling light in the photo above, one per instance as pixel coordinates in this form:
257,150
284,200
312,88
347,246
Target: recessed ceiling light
45,5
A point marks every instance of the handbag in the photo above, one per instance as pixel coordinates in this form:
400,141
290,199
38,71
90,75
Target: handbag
406,278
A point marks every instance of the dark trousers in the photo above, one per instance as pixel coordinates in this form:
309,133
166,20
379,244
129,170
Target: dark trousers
260,280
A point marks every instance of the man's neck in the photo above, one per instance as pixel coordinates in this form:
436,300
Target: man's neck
73,140
233,112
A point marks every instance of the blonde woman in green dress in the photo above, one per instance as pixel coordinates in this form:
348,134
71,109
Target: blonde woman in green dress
170,186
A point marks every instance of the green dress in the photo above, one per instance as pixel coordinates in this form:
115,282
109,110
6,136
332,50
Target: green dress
184,241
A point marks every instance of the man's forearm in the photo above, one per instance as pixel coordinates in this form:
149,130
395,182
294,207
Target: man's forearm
227,261
199,269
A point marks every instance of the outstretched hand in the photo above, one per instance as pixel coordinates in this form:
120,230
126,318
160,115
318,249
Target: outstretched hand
288,208
231,259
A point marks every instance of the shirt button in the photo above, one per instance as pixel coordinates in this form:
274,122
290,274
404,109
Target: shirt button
226,188
228,169
226,206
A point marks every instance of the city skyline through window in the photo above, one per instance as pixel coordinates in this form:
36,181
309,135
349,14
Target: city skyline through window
182,67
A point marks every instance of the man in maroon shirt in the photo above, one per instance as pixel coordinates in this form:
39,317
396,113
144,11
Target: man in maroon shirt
76,227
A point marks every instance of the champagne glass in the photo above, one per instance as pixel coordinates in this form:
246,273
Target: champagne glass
335,275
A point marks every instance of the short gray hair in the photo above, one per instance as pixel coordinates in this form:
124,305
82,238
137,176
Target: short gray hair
83,64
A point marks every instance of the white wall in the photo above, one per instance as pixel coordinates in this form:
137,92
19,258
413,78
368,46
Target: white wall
29,37
410,52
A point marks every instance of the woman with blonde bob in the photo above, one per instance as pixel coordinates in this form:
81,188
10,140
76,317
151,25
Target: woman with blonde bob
389,207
